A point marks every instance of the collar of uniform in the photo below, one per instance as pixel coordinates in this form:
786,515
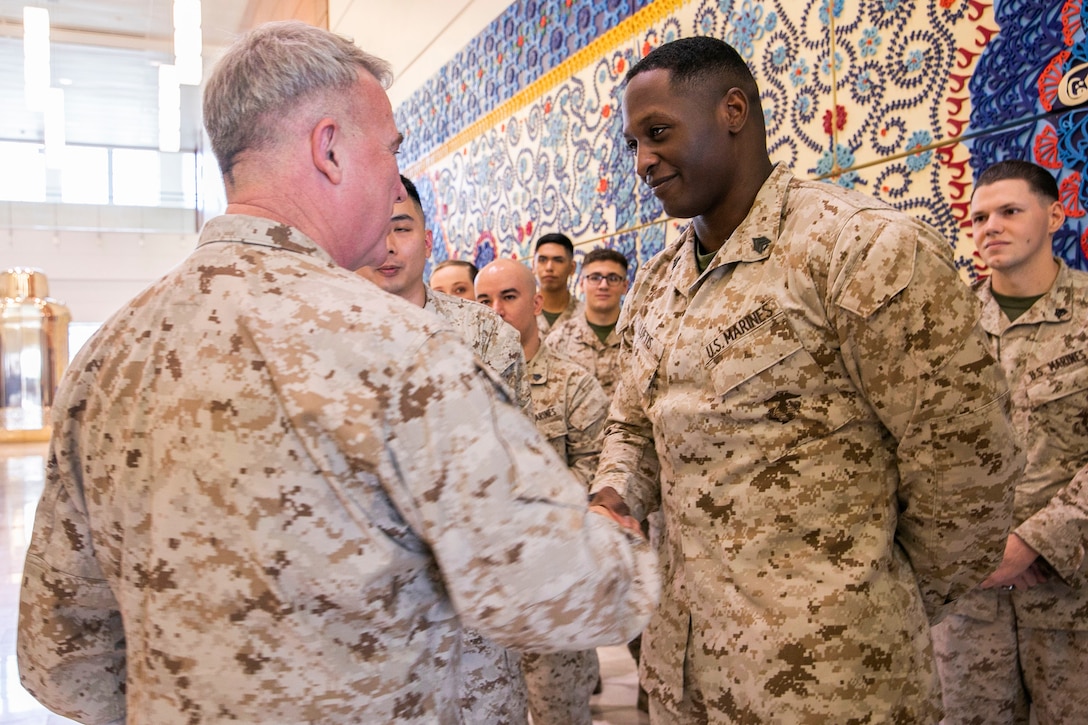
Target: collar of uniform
1057,305
537,368
751,241
262,232
429,300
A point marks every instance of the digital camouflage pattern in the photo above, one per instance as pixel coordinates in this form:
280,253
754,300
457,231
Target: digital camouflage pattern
835,459
571,410
275,493
496,343
492,688
1044,353
560,685
574,309
577,340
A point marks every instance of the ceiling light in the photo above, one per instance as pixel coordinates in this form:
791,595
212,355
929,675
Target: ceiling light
188,42
54,128
169,109
36,56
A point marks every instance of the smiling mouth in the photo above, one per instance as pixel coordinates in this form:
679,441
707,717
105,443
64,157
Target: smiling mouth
655,184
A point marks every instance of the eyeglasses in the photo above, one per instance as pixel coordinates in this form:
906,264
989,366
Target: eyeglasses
612,279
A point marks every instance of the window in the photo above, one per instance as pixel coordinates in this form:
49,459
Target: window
24,176
137,177
85,178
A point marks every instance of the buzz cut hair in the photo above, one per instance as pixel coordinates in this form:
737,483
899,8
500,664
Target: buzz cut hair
697,62
556,238
1038,179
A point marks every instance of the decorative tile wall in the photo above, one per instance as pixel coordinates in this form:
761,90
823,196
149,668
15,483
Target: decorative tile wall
520,135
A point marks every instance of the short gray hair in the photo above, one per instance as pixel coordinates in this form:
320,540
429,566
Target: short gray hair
267,73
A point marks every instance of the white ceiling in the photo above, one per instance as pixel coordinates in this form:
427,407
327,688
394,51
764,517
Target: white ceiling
106,53
417,37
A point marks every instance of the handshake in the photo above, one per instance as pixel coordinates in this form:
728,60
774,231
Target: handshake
608,502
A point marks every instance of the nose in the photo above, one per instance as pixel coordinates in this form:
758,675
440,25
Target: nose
645,161
990,225
402,193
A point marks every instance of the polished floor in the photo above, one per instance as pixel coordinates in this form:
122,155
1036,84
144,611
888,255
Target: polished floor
21,479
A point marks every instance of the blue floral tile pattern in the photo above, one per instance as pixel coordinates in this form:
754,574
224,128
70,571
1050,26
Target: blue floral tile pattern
521,134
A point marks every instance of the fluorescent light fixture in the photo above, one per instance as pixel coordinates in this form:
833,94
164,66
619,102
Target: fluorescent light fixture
54,128
188,42
36,76
169,109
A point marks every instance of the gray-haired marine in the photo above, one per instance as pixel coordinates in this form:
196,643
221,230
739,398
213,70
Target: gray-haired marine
275,493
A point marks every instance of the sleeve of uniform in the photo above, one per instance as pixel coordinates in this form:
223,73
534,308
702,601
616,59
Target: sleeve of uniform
514,374
910,338
587,411
1059,530
628,461
71,645
522,559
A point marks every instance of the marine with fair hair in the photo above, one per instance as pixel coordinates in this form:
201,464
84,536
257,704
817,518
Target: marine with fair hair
455,277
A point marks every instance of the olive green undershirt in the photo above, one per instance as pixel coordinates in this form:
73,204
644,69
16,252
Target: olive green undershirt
551,317
702,259
1013,307
603,331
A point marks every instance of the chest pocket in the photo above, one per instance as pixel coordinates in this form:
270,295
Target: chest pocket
769,382
1059,405
553,427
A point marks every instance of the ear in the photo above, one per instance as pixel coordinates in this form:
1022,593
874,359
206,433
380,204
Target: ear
430,241
538,303
324,149
733,110
1055,216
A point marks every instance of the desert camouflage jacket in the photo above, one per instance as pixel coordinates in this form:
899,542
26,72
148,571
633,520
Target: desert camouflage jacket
570,410
835,459
275,494
577,340
497,343
1045,357
574,308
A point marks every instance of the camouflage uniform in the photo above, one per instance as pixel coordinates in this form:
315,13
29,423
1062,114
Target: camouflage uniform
574,309
492,687
835,459
497,343
571,410
275,493
1044,356
577,340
